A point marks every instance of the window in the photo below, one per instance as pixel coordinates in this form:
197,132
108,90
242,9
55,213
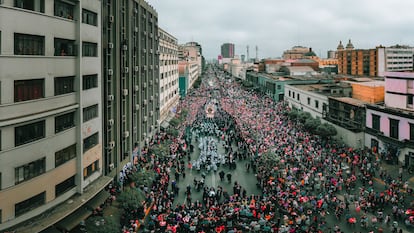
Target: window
64,47
65,155
279,87
89,81
88,171
410,99
316,104
65,186
309,101
90,112
64,85
324,107
25,44
89,17
90,141
298,96
64,122
33,5
394,128
289,93
89,49
30,170
64,9
376,122
29,133
0,42
29,204
28,89
411,131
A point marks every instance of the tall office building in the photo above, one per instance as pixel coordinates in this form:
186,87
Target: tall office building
50,109
227,50
169,96
130,80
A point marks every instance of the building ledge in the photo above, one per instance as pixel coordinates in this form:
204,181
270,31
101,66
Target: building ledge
63,210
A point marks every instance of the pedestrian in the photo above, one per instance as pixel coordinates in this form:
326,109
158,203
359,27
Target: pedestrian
221,174
229,177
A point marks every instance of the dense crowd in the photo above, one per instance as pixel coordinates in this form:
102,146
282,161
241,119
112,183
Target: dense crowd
303,178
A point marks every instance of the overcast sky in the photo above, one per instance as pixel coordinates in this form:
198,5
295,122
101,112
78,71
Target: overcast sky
277,25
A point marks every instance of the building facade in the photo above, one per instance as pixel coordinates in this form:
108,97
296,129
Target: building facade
169,94
188,74
227,50
395,58
374,62
130,79
390,127
50,107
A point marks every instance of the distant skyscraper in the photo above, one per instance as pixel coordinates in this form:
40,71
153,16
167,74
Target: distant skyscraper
227,50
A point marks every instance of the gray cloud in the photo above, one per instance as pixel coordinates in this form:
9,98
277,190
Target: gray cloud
275,26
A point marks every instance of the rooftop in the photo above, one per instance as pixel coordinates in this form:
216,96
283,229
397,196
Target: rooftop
351,101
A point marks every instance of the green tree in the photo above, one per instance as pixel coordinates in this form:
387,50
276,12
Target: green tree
303,116
293,114
326,130
97,224
131,199
174,122
311,124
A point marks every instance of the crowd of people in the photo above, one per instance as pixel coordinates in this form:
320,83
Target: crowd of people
304,180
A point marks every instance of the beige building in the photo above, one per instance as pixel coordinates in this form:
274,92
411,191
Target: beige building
50,108
169,94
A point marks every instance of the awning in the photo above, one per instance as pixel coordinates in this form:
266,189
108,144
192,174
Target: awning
164,124
82,213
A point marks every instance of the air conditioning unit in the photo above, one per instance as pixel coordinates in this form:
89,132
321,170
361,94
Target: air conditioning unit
135,10
158,52
126,70
111,18
145,85
111,97
136,88
125,47
125,92
152,128
156,95
151,50
136,107
145,102
145,118
126,134
111,144
144,50
137,68
111,122
110,72
151,113
111,45
151,98
136,29
111,166
156,80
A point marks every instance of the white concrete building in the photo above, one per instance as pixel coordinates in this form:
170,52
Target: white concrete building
308,98
169,94
50,107
395,58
